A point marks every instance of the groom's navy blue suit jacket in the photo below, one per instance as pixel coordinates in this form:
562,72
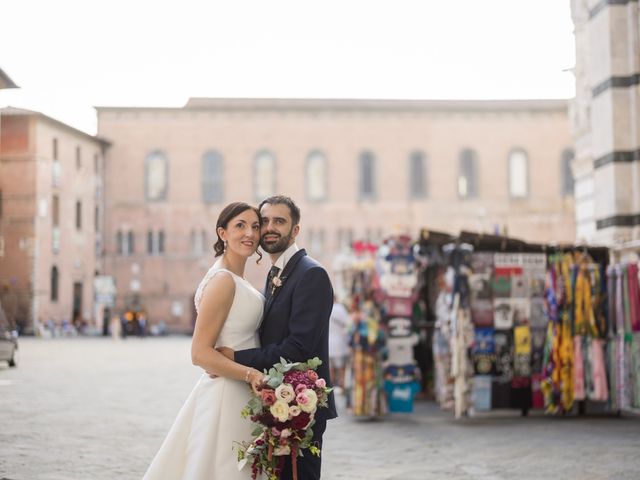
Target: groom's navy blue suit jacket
295,323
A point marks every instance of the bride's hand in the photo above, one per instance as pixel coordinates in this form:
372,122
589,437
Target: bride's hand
256,380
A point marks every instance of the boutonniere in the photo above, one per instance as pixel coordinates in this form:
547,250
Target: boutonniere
276,283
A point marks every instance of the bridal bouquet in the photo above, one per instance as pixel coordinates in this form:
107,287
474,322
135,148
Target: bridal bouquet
283,413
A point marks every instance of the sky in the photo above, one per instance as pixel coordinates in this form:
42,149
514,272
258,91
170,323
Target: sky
69,56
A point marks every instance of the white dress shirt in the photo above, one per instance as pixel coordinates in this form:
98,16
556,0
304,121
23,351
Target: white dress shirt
283,259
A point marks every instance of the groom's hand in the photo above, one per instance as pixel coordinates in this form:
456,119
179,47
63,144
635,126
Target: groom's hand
227,352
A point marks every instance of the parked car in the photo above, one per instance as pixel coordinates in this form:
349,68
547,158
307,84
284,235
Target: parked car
8,341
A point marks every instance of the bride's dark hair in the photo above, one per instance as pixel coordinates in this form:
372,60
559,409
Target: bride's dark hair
226,215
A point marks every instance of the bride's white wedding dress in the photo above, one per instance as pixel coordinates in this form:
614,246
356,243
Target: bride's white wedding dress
200,442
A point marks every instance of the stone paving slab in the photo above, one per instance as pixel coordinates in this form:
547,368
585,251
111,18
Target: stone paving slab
94,408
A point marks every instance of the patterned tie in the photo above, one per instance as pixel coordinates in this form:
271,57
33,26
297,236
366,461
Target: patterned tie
272,273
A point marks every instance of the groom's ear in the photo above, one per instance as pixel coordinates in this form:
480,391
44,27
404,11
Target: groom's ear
295,231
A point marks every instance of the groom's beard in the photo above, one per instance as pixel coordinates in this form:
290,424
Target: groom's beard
279,245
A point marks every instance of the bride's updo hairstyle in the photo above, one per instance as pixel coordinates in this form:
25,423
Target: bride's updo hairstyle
226,215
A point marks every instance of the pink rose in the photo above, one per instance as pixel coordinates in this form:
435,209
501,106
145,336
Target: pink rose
268,396
307,401
313,376
302,399
275,432
300,388
321,383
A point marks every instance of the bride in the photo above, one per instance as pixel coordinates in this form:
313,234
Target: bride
199,445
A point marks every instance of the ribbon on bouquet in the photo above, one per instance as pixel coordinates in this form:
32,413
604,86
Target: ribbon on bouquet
294,462
294,459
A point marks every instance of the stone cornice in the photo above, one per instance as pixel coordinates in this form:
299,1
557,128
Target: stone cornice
617,157
604,3
629,220
318,105
616,82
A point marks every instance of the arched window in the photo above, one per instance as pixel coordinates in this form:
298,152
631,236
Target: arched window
161,241
156,176
212,177
264,180
567,175
417,174
316,173
54,283
518,174
130,243
150,243
467,174
120,243
198,241
316,241
205,240
367,168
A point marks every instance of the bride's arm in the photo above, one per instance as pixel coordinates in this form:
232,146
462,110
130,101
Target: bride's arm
214,308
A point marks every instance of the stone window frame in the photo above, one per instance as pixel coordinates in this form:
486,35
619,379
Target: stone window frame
151,244
130,243
567,156
363,193
316,240
78,211
209,181
466,170
316,153
156,242
165,192
198,241
423,173
162,242
78,157
119,243
260,154
54,284
527,173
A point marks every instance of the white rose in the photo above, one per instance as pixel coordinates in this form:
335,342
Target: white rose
280,410
294,411
285,392
310,405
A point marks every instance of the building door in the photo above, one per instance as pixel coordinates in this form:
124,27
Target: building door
77,303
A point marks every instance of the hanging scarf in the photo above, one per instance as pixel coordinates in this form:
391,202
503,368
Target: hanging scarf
620,363
585,321
634,297
626,300
566,363
635,353
611,297
578,370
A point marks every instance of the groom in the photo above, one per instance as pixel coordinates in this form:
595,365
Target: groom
295,323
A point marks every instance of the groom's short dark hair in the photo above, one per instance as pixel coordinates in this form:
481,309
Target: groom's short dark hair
284,200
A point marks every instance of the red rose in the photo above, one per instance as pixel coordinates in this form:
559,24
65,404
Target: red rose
268,396
301,421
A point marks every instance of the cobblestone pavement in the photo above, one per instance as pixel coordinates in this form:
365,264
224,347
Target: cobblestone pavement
94,408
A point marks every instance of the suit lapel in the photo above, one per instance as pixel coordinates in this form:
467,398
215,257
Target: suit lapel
286,273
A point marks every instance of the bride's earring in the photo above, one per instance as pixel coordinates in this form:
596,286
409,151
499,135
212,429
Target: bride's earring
225,246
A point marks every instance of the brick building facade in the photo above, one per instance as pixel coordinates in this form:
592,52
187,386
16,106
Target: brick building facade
359,169
50,218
